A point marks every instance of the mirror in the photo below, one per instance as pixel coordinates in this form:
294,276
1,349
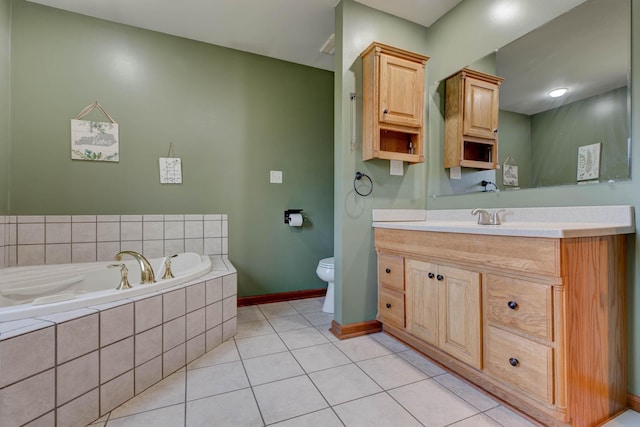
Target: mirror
580,137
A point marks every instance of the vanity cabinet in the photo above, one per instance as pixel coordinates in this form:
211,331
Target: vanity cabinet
538,322
393,104
443,308
471,120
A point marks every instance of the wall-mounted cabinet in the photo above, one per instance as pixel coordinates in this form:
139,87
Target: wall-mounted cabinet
471,120
393,104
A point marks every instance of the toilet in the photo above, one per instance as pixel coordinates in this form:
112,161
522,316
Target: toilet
325,272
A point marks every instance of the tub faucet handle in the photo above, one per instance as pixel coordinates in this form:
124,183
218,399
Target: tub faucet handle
124,280
167,267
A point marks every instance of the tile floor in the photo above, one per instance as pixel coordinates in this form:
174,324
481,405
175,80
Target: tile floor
284,368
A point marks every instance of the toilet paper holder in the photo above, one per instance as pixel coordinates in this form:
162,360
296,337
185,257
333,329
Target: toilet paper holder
289,212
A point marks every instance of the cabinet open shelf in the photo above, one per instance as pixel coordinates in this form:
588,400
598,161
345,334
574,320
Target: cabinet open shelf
400,145
480,154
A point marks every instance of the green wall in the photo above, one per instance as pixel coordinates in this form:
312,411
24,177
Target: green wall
232,117
355,270
515,140
5,103
556,135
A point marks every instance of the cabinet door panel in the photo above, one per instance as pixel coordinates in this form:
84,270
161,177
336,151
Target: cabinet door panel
422,300
460,333
401,88
481,109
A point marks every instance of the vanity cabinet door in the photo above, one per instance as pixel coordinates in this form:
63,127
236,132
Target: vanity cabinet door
422,303
461,326
443,308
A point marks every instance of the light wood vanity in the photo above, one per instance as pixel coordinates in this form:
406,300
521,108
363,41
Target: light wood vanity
539,322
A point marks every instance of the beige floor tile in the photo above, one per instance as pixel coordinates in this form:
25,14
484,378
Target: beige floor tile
170,416
344,383
422,363
217,379
319,357
234,409
389,342
469,393
300,338
260,346
254,328
323,418
324,330
273,367
224,353
281,400
362,348
277,309
440,408
479,420
308,305
507,417
391,371
628,418
249,314
170,391
289,323
378,410
319,318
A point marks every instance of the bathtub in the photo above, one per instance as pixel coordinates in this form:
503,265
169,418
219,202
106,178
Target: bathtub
47,289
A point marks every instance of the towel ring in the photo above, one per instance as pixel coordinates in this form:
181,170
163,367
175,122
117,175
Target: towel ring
358,177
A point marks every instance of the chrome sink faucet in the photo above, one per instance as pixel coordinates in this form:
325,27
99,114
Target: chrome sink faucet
486,218
146,272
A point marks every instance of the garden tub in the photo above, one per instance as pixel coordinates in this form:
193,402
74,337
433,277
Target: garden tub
46,289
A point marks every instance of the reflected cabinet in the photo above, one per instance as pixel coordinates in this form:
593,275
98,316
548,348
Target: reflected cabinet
393,104
471,120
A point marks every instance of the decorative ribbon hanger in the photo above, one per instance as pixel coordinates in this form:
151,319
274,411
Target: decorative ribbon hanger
89,108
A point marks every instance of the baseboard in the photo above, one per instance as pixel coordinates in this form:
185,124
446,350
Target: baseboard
634,402
282,296
355,329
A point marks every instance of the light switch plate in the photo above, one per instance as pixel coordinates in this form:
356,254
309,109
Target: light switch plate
275,177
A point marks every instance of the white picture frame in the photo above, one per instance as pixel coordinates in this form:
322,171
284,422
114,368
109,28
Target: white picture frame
510,175
94,141
170,170
589,162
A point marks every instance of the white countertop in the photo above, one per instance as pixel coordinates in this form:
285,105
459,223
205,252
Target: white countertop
565,222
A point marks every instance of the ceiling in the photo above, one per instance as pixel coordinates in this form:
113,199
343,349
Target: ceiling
291,30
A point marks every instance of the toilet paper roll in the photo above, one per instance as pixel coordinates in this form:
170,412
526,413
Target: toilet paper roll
295,220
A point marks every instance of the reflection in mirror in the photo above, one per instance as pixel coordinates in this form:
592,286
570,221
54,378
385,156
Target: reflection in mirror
582,136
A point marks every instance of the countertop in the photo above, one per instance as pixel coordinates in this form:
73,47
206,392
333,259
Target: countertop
552,222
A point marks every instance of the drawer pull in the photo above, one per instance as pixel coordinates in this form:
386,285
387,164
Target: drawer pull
388,305
388,270
440,277
513,361
431,275
512,305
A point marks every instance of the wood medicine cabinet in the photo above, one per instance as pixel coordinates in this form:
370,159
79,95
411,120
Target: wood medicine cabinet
471,120
393,104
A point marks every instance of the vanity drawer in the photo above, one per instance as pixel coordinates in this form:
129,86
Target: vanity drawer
391,307
522,363
391,271
520,304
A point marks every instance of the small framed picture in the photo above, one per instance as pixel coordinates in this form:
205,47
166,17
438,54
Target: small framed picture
510,175
589,162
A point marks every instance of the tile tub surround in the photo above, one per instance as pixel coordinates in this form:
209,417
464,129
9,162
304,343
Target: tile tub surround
59,239
76,366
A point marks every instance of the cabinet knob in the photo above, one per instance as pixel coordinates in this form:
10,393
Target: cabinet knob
388,270
512,305
385,111
495,130
440,277
513,361
388,305
431,275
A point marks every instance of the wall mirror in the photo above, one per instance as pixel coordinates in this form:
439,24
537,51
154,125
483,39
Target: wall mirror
581,137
